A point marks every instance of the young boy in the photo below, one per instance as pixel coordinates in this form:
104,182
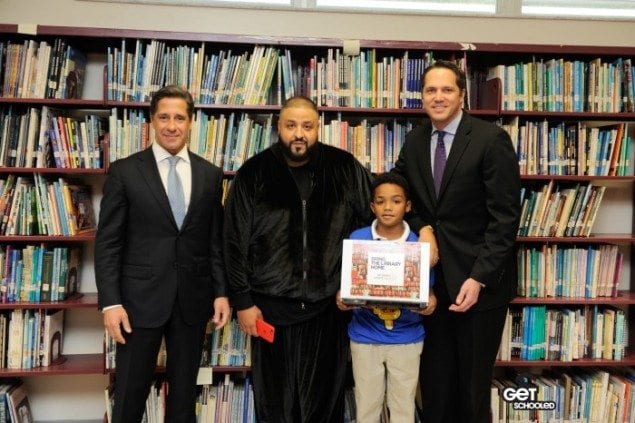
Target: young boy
386,343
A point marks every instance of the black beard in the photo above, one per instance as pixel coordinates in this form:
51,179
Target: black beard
290,156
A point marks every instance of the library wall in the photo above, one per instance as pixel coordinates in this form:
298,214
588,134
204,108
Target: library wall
313,24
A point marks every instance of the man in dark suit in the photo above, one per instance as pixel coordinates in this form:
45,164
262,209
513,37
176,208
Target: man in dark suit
473,209
158,261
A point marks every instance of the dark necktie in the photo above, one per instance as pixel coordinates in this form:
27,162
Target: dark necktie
175,192
439,162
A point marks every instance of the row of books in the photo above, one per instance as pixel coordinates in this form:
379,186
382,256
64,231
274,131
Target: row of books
573,396
569,271
31,338
564,334
222,78
229,346
267,75
226,402
39,69
14,402
229,140
50,138
544,148
32,69
559,85
38,273
552,210
376,146
35,206
365,80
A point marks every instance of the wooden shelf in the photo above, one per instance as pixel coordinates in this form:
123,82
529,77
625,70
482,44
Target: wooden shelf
569,115
575,178
79,300
629,360
56,102
53,170
5,239
231,369
71,364
273,108
215,369
623,298
593,239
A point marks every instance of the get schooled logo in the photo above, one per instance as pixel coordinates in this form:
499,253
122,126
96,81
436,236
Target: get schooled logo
526,398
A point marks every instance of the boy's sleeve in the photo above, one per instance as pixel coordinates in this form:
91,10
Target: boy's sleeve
359,234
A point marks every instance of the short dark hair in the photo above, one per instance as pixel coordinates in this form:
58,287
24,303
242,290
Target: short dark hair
390,178
299,100
172,91
461,80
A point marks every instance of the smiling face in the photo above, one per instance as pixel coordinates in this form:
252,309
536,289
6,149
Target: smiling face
442,97
389,205
171,123
298,129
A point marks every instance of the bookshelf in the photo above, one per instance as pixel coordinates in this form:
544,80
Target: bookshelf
348,118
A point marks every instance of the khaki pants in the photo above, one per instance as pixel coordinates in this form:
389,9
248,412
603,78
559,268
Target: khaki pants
390,371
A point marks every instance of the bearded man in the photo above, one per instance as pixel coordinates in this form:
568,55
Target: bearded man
288,211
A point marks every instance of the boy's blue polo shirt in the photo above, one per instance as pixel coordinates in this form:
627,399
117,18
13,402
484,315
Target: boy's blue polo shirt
367,328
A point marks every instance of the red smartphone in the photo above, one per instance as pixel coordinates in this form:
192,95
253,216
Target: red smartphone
265,330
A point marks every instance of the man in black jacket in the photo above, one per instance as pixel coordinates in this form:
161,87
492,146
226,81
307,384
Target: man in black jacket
289,209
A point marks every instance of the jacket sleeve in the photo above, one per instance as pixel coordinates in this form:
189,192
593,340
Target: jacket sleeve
414,216
216,239
501,178
110,239
236,236
362,202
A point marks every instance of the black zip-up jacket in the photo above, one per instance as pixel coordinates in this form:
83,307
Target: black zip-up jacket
281,248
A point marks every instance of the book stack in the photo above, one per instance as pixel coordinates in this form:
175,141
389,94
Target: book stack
564,334
40,207
555,211
33,69
553,270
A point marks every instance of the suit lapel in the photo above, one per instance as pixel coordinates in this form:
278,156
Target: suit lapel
148,169
198,178
425,165
461,140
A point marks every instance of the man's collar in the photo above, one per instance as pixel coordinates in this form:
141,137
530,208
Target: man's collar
161,153
451,127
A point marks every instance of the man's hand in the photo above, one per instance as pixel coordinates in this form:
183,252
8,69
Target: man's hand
426,234
468,296
432,305
247,320
221,312
114,319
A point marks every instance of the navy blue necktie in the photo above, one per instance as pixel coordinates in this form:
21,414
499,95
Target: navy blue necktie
439,162
175,192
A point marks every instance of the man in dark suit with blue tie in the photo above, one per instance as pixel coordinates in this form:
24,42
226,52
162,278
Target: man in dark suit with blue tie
465,186
158,261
